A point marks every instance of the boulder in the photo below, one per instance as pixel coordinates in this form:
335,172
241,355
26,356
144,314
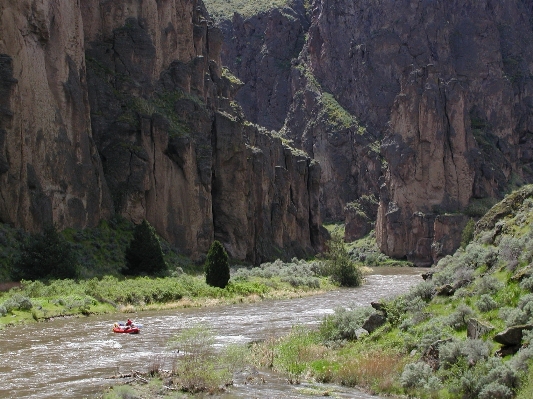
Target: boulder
374,321
427,275
476,328
445,290
360,333
431,355
380,307
523,273
512,336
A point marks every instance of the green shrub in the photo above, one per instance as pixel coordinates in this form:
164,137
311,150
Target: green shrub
144,254
217,266
527,284
415,375
17,302
200,367
297,272
495,390
46,255
458,319
472,350
424,290
486,303
291,354
344,323
122,392
468,233
339,265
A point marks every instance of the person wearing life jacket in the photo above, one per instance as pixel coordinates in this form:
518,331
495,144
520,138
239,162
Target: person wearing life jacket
129,323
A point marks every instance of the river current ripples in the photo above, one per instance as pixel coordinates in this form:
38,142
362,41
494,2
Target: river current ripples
74,357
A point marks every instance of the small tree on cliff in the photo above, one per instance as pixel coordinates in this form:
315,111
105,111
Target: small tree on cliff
217,266
46,255
144,254
339,265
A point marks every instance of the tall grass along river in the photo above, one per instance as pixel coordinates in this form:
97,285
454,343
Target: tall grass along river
74,357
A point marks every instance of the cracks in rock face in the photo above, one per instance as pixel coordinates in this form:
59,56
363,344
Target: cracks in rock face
449,144
154,174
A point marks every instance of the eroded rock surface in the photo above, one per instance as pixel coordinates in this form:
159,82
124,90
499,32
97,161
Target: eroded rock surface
122,107
426,105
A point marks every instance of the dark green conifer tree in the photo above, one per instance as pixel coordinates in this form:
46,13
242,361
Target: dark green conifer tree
144,255
46,255
217,266
340,266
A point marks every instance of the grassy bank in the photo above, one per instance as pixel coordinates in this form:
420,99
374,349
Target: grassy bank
440,340
36,300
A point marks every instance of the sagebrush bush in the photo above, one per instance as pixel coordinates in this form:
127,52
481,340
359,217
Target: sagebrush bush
298,273
17,302
344,323
513,316
522,360
495,390
458,319
486,303
425,291
472,350
488,285
421,337
415,375
527,284
509,248
522,314
200,368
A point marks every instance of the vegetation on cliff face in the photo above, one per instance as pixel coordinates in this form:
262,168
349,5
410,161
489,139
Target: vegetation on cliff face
224,9
464,332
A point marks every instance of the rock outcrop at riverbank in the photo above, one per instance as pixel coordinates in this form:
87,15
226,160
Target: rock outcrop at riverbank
123,108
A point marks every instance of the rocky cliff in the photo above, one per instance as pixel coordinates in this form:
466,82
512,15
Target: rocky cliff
123,107
424,104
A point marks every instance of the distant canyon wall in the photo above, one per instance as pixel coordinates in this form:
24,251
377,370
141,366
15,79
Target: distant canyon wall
424,105
123,108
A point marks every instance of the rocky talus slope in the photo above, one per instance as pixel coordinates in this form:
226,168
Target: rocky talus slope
123,108
425,105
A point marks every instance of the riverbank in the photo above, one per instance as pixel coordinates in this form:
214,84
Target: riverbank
35,301
72,358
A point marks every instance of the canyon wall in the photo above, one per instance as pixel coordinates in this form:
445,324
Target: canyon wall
122,108
425,105
50,170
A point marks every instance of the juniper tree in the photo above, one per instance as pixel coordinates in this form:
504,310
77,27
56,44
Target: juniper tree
46,255
340,266
144,254
217,266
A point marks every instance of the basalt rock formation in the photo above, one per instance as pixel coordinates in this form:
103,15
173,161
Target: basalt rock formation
427,105
123,108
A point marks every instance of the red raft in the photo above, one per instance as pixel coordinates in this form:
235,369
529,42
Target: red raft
126,329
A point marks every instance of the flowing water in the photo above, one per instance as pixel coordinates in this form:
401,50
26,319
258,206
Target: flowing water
74,357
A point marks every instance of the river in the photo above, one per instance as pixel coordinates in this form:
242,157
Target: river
73,357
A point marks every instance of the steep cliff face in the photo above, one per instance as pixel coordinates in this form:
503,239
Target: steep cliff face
259,51
49,166
442,88
122,107
281,92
